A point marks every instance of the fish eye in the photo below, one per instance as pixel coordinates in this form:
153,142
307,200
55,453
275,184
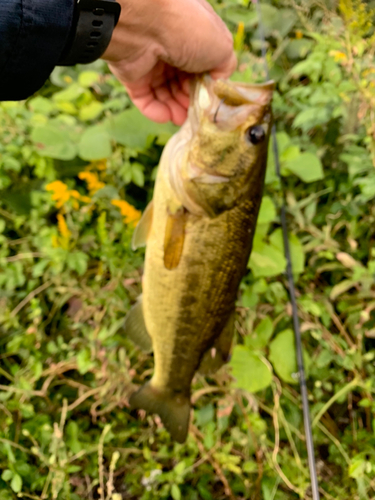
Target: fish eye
255,134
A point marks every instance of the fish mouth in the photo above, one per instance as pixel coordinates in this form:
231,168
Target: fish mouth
197,174
237,94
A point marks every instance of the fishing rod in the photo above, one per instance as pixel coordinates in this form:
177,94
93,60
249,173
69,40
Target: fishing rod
292,288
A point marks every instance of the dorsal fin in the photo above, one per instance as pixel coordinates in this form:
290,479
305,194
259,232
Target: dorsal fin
143,227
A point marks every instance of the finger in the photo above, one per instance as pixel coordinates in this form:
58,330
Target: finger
226,69
154,110
158,104
178,94
178,111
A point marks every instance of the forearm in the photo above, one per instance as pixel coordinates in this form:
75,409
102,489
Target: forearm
33,35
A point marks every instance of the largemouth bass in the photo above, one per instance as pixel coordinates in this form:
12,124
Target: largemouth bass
199,229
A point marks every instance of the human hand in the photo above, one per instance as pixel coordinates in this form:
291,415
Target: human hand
158,46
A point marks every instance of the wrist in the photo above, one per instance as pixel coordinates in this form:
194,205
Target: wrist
92,28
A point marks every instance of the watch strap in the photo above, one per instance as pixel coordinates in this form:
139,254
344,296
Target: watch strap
95,21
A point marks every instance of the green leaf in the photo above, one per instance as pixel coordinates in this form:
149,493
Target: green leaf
39,267
16,483
277,21
298,48
11,163
130,128
95,144
266,260
84,362
357,468
53,142
306,166
259,338
71,93
309,67
341,287
41,105
237,14
180,468
249,298
7,475
250,372
77,261
175,492
91,111
88,78
205,415
310,305
283,141
296,249
311,117
137,174
290,153
283,356
267,212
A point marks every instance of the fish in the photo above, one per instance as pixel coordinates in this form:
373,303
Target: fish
198,232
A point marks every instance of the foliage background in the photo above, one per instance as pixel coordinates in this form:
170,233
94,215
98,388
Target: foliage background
77,165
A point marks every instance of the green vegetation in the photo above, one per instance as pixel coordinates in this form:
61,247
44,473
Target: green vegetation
77,164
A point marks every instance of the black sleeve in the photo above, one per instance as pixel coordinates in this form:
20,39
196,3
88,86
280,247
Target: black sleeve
33,34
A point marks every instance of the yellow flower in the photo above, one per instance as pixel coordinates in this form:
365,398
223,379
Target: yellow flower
131,214
63,240
93,183
240,36
61,194
98,165
75,194
338,56
299,34
63,227
60,191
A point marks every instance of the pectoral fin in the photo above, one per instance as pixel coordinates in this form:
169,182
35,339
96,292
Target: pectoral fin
135,327
143,227
217,355
174,238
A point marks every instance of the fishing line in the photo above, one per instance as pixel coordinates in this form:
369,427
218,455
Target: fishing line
292,288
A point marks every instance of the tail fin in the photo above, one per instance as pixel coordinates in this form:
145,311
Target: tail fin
173,408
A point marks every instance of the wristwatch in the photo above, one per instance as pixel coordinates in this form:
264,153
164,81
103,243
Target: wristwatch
93,25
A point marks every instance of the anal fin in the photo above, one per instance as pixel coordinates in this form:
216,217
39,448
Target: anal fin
135,327
217,355
172,407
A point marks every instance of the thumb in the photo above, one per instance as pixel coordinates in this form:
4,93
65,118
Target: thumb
199,40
